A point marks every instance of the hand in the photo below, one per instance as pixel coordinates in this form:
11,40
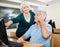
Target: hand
6,25
20,40
41,18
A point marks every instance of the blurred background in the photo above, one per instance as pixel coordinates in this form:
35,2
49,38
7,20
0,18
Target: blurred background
11,9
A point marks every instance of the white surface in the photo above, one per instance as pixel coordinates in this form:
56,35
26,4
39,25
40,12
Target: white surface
10,39
53,12
9,5
10,30
40,2
45,1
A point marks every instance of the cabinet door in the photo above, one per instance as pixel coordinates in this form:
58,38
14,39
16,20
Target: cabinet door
56,38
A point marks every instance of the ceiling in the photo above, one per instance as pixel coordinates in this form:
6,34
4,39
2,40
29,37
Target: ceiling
44,2
34,2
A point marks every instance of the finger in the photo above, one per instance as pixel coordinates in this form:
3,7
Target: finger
6,27
18,41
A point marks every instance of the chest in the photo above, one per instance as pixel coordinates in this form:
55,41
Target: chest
36,32
25,23
27,16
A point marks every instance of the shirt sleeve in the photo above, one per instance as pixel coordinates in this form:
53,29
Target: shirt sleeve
49,28
17,19
28,33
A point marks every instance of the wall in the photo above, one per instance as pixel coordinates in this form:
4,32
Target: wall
53,12
13,5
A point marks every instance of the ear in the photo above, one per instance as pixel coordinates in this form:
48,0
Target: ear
44,18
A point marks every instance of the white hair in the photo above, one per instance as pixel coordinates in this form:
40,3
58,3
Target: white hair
43,11
24,3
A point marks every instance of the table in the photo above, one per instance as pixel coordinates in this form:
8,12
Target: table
57,30
55,41
29,44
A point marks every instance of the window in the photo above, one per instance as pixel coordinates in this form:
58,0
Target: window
9,13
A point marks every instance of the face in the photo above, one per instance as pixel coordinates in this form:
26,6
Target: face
39,14
36,19
25,8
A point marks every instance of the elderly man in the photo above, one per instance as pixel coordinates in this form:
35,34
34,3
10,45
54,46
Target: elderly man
39,32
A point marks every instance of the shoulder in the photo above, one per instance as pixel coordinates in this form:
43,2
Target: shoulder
32,12
48,25
33,26
20,15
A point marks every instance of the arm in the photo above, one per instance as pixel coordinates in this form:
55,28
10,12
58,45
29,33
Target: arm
46,30
17,19
25,36
8,23
21,39
14,20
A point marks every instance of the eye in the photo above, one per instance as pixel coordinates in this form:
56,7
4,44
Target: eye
24,8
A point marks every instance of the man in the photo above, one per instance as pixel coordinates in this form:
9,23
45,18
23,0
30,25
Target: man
39,32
